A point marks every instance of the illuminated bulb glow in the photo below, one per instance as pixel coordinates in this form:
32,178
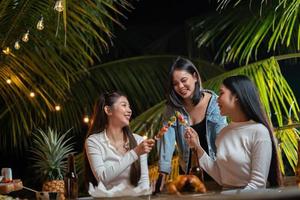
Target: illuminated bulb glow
17,45
8,81
25,37
57,108
32,94
6,50
145,137
86,119
40,24
59,6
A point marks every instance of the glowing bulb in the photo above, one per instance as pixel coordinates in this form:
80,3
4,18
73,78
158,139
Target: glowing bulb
86,119
25,37
145,137
40,24
17,45
32,94
8,81
59,6
6,50
57,108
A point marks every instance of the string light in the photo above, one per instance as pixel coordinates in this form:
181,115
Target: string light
6,50
57,108
145,137
8,81
59,7
32,94
17,45
40,24
25,37
86,119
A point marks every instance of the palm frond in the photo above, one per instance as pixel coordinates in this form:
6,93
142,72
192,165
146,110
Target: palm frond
263,28
46,65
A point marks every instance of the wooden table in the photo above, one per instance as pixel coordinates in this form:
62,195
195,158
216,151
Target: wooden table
263,194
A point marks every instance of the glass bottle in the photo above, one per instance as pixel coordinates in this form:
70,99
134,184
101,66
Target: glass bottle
195,168
71,179
298,165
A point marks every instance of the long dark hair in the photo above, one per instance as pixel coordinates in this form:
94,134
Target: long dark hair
173,98
250,103
98,124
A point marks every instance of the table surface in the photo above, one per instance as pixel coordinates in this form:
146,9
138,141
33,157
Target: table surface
292,192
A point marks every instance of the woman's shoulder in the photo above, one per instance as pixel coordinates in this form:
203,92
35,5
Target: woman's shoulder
259,130
96,137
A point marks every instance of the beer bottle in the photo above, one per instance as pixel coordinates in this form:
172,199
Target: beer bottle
71,179
298,165
195,168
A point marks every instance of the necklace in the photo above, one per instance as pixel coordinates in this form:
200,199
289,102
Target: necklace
124,147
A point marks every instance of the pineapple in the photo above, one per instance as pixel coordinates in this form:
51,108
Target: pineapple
49,153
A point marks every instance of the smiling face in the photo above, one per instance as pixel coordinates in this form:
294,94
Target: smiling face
227,101
184,83
120,112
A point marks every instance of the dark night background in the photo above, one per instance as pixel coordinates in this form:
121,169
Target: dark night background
149,23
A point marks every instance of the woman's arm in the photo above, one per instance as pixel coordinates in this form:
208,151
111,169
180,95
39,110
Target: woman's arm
209,165
260,164
102,172
205,162
144,182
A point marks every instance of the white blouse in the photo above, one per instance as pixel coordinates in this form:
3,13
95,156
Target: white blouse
109,166
244,152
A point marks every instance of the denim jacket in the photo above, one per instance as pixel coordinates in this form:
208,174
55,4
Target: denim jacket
166,145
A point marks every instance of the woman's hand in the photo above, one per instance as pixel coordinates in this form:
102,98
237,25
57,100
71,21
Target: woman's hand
144,147
191,137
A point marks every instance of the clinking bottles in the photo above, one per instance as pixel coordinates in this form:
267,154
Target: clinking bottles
298,165
71,179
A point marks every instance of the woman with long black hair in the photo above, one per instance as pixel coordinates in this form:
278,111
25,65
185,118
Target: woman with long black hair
246,149
115,155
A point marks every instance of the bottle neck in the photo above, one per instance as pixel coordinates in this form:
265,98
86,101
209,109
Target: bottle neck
71,163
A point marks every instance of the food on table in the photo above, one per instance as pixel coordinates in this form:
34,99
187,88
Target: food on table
186,183
15,185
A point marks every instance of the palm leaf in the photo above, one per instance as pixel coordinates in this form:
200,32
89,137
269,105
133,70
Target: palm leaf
46,64
263,28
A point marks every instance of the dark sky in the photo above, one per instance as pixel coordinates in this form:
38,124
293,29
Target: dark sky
166,11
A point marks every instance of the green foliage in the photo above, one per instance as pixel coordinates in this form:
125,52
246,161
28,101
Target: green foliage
49,152
244,30
48,64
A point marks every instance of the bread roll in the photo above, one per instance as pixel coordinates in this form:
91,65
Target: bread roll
6,188
177,186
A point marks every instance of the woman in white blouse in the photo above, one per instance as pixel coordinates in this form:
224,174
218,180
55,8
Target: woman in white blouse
246,151
114,155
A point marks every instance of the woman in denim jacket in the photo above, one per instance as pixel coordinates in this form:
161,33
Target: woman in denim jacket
200,110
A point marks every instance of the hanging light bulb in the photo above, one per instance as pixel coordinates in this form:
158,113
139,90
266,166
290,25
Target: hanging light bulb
25,37
86,119
8,81
40,24
59,7
32,94
17,45
6,50
57,108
